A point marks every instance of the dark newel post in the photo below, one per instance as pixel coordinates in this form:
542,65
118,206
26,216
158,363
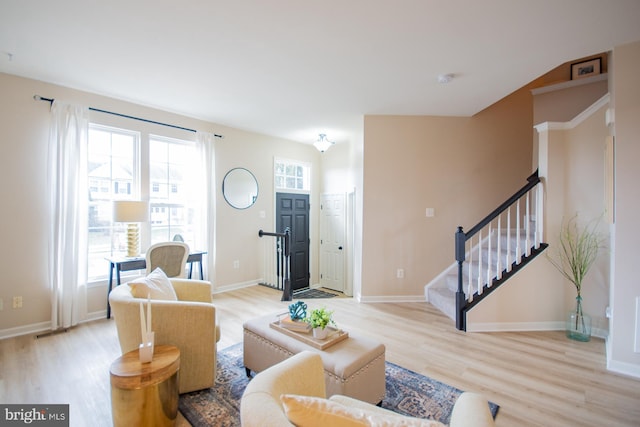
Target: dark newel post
286,294
461,323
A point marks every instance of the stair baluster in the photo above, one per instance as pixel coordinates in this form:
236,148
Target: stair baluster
465,301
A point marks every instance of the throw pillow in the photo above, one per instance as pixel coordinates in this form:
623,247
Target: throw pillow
156,285
307,411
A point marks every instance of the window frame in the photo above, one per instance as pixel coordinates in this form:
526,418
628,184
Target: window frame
110,193
141,185
306,175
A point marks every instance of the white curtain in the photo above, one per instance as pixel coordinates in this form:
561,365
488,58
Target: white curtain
206,144
69,214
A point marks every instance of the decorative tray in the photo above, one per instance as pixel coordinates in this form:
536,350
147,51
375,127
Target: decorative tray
334,337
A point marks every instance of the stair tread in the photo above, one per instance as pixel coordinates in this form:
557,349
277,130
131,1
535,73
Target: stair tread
442,293
444,300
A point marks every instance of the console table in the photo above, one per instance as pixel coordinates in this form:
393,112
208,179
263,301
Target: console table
120,264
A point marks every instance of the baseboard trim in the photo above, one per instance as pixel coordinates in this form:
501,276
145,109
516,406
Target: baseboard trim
622,368
33,328
514,326
235,286
526,326
391,298
37,328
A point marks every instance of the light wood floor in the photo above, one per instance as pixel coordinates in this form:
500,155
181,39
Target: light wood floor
537,378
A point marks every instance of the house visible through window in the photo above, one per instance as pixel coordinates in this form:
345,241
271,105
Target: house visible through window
172,177
116,171
113,174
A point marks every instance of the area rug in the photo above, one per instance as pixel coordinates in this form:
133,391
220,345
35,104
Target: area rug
312,293
407,393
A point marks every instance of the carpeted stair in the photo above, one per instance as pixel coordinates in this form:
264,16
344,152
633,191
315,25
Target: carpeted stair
441,292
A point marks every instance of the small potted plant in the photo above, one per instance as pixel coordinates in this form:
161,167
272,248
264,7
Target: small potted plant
319,319
577,251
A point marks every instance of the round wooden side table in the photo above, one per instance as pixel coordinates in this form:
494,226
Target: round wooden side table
145,394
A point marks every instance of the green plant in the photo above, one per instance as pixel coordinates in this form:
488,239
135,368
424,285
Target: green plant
320,318
577,251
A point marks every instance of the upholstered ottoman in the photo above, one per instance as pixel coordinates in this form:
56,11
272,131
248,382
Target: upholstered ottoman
353,367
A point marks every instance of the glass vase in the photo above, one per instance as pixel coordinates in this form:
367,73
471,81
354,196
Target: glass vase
578,323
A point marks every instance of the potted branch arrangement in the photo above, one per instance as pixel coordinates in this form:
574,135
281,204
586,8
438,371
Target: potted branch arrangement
319,319
577,251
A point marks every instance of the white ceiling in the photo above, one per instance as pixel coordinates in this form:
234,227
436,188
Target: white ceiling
297,68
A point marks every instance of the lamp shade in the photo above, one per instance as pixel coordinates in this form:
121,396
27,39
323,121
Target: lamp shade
130,211
323,144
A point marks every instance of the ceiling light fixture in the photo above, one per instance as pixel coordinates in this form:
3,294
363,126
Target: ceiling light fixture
323,144
445,78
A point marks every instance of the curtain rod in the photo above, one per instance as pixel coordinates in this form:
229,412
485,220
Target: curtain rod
50,101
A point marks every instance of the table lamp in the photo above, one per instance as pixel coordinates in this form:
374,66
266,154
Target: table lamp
131,212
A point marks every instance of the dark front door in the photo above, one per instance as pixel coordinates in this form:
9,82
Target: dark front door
292,210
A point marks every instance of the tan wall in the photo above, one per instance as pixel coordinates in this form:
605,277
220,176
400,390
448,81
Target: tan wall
626,282
538,297
584,195
563,101
237,230
23,173
23,169
461,167
566,102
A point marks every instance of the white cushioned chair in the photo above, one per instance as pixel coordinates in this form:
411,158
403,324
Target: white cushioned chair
188,322
292,393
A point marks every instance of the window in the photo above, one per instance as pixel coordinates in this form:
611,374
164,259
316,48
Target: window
130,165
292,175
171,175
113,172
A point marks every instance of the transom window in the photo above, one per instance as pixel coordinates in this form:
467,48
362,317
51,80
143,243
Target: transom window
292,175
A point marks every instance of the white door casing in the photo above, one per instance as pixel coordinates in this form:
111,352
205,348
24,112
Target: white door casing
332,241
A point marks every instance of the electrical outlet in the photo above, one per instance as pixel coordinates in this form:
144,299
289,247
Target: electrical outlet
236,264
430,212
17,302
400,273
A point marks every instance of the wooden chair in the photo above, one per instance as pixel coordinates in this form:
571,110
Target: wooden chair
171,257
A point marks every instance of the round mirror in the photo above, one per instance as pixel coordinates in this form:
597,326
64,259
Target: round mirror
240,188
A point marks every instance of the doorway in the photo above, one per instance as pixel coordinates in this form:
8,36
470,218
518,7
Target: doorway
292,210
332,241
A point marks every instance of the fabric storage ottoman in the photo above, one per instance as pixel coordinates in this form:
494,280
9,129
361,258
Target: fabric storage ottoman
353,367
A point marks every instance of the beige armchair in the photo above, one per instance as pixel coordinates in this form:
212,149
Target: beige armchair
269,392
188,323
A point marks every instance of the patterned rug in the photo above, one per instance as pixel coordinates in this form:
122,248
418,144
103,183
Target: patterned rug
312,293
408,393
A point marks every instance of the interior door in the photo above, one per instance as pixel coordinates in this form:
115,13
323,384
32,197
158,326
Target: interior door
292,210
332,241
